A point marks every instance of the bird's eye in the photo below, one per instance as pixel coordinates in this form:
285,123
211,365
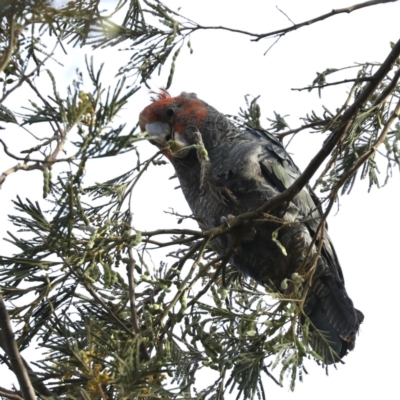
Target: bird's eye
170,112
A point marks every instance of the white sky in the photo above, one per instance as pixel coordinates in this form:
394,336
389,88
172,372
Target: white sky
223,68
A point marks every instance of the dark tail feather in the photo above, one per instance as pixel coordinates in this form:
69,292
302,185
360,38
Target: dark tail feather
334,318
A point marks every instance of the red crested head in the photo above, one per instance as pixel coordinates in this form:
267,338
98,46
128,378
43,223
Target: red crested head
185,109
166,120
171,122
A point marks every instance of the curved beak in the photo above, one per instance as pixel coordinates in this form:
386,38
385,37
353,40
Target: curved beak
163,136
158,132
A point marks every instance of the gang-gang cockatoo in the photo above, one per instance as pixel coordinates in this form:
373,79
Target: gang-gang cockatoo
225,171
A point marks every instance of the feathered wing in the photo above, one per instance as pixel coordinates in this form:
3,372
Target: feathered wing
328,305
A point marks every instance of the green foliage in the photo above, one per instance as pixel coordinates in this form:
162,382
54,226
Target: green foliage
111,323
363,134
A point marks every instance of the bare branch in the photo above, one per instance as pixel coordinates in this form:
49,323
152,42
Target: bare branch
285,15
388,89
38,385
284,31
12,352
18,167
301,128
11,155
347,10
9,394
309,88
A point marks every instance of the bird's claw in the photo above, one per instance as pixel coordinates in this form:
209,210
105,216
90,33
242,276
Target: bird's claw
225,220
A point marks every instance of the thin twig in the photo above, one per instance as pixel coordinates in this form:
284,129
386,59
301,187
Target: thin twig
338,11
132,299
46,103
364,157
223,261
285,15
272,45
294,131
284,31
309,88
385,93
388,89
265,369
105,307
182,289
90,289
192,250
4,358
11,44
24,77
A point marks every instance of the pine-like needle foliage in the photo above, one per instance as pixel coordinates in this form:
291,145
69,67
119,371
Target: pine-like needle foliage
110,322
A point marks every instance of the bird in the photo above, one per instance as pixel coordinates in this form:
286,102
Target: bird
226,170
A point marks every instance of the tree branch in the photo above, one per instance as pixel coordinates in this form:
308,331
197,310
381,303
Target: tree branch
18,167
301,128
9,394
282,32
13,354
388,89
348,10
38,385
5,59
309,88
